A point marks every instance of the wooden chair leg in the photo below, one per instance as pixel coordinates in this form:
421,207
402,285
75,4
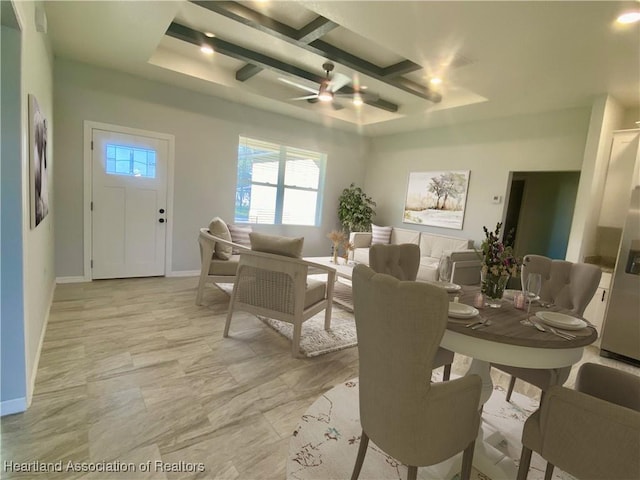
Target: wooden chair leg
295,341
467,461
362,451
548,473
228,322
512,384
446,373
525,461
412,472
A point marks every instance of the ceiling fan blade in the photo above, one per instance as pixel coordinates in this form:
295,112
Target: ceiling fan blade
298,85
338,81
337,106
306,97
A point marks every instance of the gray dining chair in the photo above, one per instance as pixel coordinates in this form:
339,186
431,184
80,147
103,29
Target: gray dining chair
565,284
402,262
590,432
417,422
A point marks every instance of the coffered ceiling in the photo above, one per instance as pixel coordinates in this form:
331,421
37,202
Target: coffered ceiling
494,58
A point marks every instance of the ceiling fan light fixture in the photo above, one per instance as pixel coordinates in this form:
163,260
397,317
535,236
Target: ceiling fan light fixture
324,94
357,99
435,81
206,49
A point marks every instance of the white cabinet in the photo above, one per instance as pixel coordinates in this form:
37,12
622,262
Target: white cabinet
618,184
597,307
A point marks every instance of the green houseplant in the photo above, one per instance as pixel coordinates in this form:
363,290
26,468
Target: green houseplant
355,210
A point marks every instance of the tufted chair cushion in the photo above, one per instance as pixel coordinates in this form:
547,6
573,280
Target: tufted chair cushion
399,261
566,284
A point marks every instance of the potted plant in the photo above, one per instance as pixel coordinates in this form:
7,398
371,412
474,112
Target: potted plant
355,210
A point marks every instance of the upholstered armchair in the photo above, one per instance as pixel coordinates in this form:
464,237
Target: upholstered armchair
402,262
590,432
568,285
271,281
214,269
417,422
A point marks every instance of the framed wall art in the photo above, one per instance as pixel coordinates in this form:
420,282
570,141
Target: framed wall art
437,199
39,165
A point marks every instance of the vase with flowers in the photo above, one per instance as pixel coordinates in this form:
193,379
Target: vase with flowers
337,238
498,264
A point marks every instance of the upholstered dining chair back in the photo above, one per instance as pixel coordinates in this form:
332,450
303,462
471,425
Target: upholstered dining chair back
399,326
566,284
591,432
402,261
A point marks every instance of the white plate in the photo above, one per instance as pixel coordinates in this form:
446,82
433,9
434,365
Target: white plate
449,287
510,294
561,320
460,310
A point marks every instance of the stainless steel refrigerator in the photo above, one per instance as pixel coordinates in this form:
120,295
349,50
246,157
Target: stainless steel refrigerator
621,331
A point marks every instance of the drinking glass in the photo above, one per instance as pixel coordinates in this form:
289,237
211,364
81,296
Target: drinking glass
531,291
444,268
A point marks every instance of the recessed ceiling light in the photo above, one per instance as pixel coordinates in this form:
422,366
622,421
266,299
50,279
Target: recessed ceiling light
206,49
629,17
209,34
357,99
435,81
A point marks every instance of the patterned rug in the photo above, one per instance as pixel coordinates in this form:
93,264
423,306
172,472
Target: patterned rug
325,443
315,340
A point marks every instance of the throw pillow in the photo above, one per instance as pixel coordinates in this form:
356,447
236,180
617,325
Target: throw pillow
380,234
240,235
287,246
218,228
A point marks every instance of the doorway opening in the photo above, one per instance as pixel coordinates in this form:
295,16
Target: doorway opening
539,210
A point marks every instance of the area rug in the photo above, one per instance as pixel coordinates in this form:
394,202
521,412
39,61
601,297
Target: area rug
315,340
325,443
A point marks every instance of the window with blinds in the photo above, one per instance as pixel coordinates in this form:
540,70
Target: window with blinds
277,184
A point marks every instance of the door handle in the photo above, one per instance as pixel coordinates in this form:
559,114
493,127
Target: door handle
161,220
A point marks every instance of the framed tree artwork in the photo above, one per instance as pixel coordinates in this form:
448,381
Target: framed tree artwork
437,199
39,166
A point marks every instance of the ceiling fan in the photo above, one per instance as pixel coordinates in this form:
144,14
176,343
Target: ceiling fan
329,89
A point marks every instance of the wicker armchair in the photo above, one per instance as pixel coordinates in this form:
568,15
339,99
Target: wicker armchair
276,286
212,269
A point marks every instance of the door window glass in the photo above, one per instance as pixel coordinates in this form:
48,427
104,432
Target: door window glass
131,161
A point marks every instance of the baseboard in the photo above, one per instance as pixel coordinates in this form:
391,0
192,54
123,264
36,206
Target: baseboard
184,273
36,360
9,407
78,279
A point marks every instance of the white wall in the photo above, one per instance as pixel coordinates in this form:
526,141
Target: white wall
38,243
206,133
606,116
490,150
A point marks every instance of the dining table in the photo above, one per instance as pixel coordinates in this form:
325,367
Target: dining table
505,340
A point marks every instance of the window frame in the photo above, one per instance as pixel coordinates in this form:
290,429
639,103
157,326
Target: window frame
281,186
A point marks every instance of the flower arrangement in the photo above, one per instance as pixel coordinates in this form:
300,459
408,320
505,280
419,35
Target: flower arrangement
498,262
348,247
497,259
337,238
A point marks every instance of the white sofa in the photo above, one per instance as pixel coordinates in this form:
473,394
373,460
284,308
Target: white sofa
432,248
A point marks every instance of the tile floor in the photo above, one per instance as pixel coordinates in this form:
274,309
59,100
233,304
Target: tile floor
133,371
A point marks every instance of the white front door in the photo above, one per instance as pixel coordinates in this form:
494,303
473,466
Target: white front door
129,191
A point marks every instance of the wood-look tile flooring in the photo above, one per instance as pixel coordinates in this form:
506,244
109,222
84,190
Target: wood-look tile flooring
134,371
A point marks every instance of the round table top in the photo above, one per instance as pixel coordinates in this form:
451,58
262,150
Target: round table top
506,327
